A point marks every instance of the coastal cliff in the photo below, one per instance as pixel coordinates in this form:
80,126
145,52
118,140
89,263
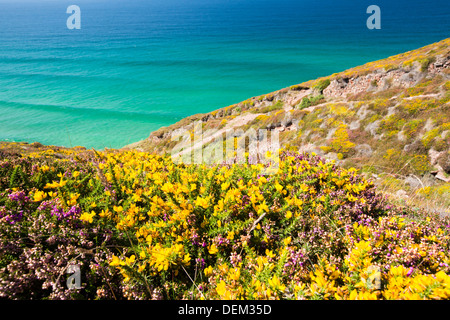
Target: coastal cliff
388,118
135,224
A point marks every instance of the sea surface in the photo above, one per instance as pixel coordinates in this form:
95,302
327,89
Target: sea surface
135,65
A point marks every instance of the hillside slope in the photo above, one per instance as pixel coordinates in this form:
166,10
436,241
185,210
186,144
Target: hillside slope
389,118
137,225
134,225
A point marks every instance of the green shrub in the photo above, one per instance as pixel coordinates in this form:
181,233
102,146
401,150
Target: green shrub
419,164
322,85
275,106
310,101
424,63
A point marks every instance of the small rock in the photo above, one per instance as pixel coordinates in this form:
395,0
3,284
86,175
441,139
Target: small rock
206,117
428,125
332,156
433,155
372,128
391,111
428,180
330,133
295,123
413,182
287,121
401,136
402,194
354,125
363,150
363,112
441,176
415,147
444,161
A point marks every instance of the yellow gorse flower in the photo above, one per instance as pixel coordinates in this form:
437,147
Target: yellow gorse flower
208,271
87,217
39,196
168,210
275,284
213,249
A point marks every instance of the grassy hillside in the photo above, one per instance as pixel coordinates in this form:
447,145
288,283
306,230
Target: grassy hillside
141,226
389,118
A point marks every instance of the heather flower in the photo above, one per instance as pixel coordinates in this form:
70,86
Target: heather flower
18,196
142,227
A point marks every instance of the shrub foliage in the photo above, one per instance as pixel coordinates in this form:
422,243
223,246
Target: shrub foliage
142,227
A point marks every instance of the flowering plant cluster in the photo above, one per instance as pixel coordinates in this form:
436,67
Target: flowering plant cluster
143,227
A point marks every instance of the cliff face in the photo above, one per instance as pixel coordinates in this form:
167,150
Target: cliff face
386,117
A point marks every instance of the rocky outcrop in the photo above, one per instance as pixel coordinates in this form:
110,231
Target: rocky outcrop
391,114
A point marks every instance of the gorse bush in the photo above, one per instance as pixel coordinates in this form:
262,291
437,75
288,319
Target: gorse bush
340,142
310,101
41,233
278,105
322,84
142,227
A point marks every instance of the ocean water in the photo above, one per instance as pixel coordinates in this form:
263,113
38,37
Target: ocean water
135,65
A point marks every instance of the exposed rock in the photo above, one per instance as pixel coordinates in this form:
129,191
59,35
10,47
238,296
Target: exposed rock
287,121
409,78
441,176
391,111
363,112
219,113
441,62
206,117
444,161
433,155
377,80
324,125
354,125
297,96
402,194
428,180
372,128
363,150
295,123
273,125
330,133
428,125
415,147
413,182
401,136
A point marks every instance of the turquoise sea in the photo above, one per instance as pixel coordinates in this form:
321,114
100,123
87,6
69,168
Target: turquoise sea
137,65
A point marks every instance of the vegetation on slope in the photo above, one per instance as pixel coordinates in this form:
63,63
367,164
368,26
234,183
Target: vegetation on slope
142,227
388,118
